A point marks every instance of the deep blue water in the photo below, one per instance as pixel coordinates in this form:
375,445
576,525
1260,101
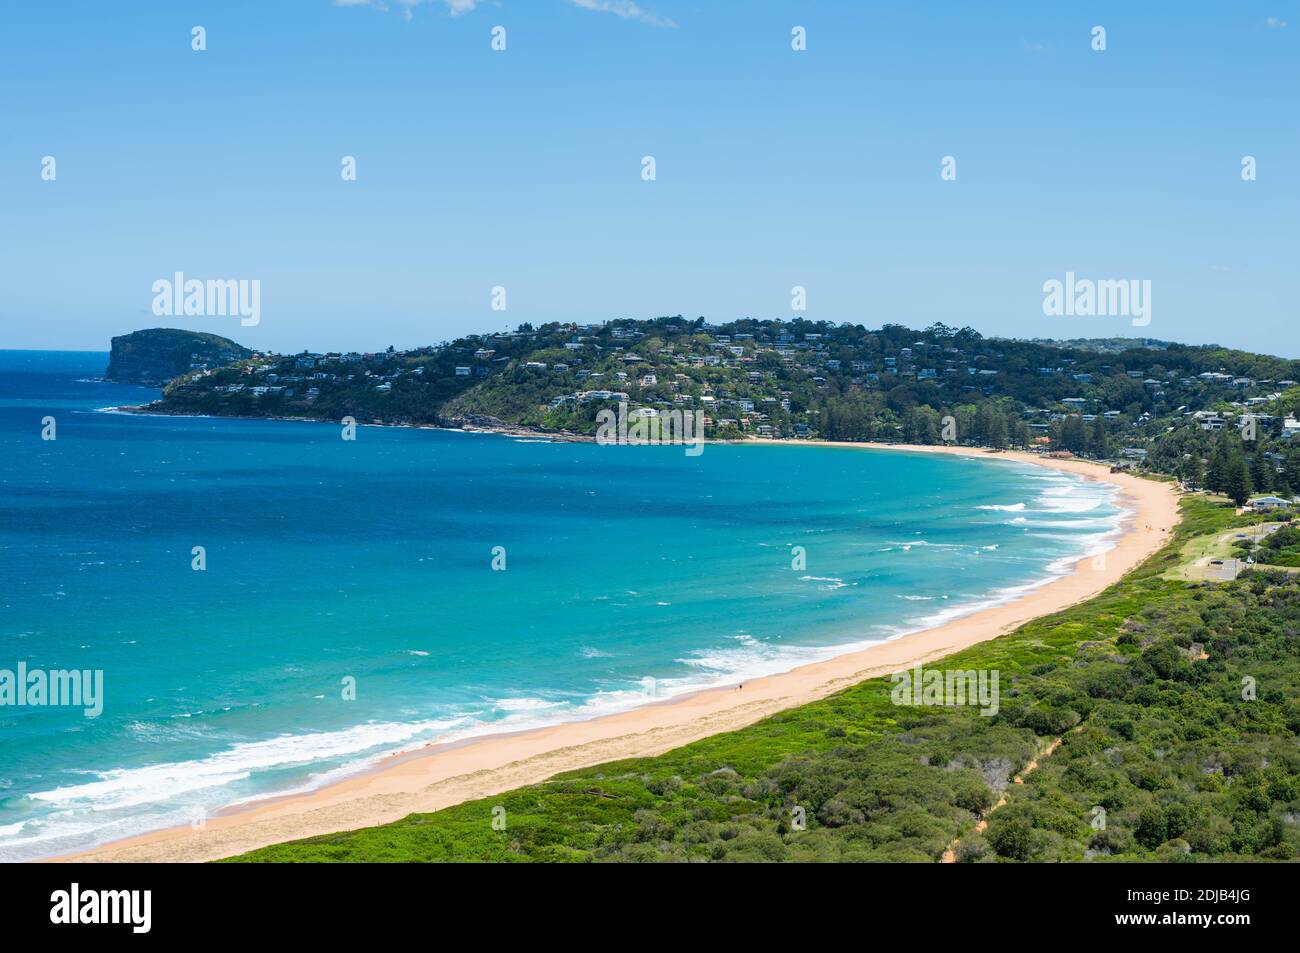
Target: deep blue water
632,573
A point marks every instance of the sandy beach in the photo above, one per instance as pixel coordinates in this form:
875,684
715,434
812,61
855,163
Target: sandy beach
441,775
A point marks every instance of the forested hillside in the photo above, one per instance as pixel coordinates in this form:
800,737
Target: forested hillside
1214,417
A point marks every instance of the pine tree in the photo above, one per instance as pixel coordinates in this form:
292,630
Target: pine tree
1293,471
1261,471
983,424
1238,487
997,429
1073,437
1098,443
1216,477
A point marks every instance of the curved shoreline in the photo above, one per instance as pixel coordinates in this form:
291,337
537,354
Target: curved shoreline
440,775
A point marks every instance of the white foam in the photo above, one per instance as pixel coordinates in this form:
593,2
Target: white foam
172,788
833,582
131,787
1101,521
1071,498
524,704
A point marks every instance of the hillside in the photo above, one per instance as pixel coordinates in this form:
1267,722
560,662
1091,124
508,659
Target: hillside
155,356
1169,407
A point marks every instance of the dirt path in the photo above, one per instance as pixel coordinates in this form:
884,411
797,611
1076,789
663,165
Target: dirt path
950,855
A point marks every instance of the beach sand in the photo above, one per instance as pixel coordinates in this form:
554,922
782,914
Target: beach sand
442,775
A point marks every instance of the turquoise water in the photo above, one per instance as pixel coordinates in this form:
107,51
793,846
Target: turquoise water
632,574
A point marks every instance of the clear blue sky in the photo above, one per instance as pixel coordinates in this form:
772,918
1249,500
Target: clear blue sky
522,169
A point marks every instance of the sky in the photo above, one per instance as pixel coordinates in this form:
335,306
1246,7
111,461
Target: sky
523,168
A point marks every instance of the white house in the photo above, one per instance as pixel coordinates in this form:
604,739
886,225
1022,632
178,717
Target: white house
1269,503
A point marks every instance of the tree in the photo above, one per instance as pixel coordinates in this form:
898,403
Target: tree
1073,437
991,426
925,425
1011,836
1293,471
1222,462
1261,470
1098,442
1238,486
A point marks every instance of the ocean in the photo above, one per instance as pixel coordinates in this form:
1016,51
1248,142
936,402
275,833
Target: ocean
364,597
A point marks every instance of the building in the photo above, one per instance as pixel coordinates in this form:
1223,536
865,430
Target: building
1269,503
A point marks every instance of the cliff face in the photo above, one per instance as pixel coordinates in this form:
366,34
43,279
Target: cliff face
155,356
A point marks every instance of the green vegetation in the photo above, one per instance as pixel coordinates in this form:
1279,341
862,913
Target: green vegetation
155,356
1281,548
1167,407
1177,706
1175,701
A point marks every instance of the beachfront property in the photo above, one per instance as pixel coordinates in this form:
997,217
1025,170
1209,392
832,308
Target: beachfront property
783,377
1264,503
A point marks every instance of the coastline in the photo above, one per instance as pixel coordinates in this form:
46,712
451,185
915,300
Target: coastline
495,427
440,775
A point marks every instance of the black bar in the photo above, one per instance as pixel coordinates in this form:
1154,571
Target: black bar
930,904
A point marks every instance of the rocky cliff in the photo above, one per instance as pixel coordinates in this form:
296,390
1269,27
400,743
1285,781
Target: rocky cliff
155,356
